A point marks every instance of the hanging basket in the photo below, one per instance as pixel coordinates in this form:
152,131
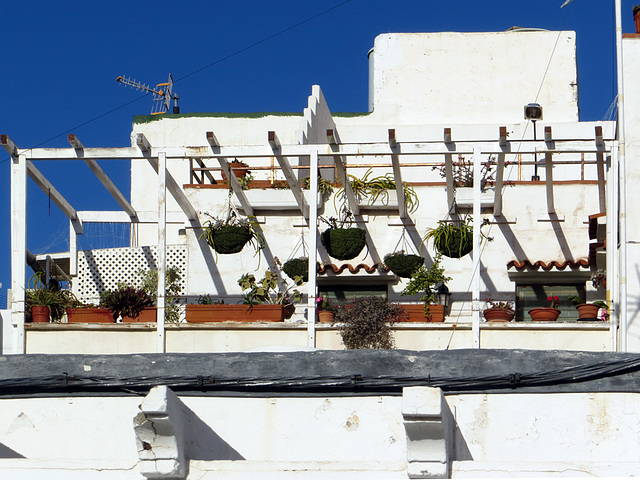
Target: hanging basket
456,244
402,264
343,243
230,239
297,267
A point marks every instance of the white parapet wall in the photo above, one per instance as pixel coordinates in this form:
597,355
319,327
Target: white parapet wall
325,437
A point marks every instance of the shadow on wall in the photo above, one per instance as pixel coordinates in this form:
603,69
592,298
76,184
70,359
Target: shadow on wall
204,444
6,452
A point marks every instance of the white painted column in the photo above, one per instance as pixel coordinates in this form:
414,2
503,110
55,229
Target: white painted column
162,248
18,249
612,251
73,250
313,248
477,221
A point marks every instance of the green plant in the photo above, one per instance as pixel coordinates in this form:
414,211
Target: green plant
601,304
377,188
173,277
427,280
269,289
245,180
298,269
324,185
463,172
125,301
232,234
403,264
341,240
366,323
454,239
39,294
575,300
636,9
209,300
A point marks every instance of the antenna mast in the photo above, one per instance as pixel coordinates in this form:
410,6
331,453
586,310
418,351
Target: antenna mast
162,94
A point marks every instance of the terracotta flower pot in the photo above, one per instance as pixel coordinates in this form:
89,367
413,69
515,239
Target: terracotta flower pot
147,315
544,314
89,315
40,314
234,313
417,314
325,316
498,314
588,311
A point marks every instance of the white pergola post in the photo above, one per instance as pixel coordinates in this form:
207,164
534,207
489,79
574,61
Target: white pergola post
477,221
162,248
18,248
313,249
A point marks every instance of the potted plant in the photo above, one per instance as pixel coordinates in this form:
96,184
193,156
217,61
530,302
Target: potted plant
453,239
341,240
265,300
367,323
44,303
376,192
47,304
403,264
326,309
125,301
588,311
238,168
88,313
232,234
427,280
498,311
546,314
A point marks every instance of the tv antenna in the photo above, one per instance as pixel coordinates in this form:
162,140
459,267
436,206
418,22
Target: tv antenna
162,94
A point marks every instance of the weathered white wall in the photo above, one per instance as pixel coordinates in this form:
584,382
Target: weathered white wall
6,332
494,434
631,52
474,77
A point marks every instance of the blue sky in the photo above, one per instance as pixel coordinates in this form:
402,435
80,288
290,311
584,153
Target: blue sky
61,59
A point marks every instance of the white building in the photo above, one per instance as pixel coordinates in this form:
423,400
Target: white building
429,111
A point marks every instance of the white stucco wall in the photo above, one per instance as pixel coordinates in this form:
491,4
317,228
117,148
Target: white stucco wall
474,77
294,437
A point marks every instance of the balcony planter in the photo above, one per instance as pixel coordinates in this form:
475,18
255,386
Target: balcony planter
230,235
40,314
343,243
147,315
465,195
417,314
498,314
544,314
89,315
234,313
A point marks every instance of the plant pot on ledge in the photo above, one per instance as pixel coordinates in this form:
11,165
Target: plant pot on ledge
544,314
147,315
588,312
498,314
89,315
234,313
417,314
325,316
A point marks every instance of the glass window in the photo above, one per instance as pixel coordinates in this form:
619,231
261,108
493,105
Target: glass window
343,294
535,295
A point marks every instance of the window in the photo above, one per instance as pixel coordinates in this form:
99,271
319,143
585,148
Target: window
535,295
343,294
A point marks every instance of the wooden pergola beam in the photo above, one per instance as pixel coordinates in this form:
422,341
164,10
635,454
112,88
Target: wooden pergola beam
294,185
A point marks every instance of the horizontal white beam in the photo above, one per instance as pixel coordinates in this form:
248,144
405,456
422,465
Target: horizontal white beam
116,216
352,149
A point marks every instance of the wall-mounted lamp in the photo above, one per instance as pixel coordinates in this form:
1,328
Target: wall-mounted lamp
443,296
533,112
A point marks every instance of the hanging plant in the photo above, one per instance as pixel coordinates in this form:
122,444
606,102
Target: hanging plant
403,264
453,239
231,235
298,267
343,242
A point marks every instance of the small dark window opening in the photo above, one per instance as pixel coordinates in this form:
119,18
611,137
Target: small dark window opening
344,294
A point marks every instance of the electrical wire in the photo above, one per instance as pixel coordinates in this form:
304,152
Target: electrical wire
328,384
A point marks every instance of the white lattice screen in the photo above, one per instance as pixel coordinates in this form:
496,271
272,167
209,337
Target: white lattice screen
100,270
